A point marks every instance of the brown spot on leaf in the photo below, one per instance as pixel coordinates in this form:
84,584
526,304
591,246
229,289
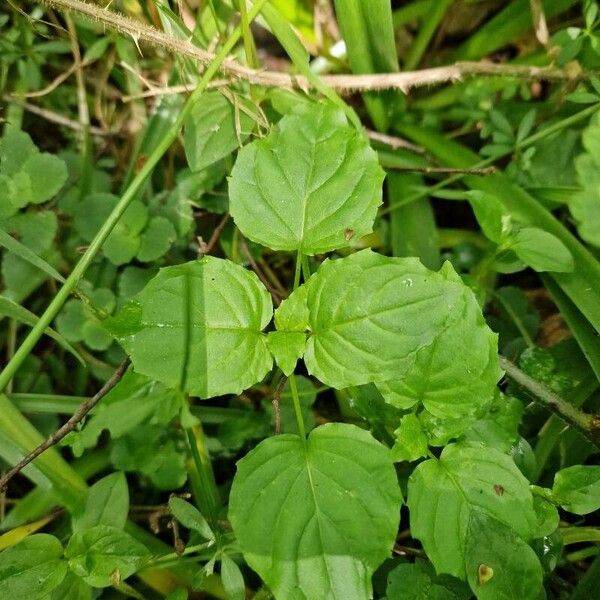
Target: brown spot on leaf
498,489
484,573
349,234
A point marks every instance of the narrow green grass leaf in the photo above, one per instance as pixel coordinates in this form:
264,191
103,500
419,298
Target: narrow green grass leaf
282,30
9,308
28,255
367,29
506,27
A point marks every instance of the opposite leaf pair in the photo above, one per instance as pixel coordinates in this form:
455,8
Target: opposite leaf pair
366,318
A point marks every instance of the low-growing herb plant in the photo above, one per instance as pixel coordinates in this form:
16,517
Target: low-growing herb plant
303,386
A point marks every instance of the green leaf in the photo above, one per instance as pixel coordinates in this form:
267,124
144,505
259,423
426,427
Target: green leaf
291,319
15,148
156,239
584,204
32,568
23,252
499,427
541,250
232,578
9,308
310,185
136,399
287,347
104,555
489,213
71,588
411,442
379,319
456,374
418,581
123,243
151,451
47,174
499,564
26,174
107,503
293,314
577,489
317,518
36,230
78,320
547,516
442,494
198,327
215,128
189,516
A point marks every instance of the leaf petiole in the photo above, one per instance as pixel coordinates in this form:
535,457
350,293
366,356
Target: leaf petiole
297,407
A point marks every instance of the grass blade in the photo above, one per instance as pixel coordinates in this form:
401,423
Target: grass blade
28,255
9,308
368,30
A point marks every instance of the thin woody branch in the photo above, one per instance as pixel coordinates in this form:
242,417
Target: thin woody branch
405,81
69,426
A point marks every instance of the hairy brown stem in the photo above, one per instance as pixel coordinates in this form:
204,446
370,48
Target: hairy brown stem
405,81
69,426
587,425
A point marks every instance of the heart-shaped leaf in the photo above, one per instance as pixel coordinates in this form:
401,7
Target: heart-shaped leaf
379,319
442,494
315,519
215,128
198,327
311,185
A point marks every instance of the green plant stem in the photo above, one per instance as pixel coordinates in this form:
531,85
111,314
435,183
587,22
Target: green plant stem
514,317
205,489
528,141
159,560
213,12
588,425
249,46
84,262
298,269
11,344
297,406
426,31
305,267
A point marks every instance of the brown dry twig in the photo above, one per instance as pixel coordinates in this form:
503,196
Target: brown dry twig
69,426
404,81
